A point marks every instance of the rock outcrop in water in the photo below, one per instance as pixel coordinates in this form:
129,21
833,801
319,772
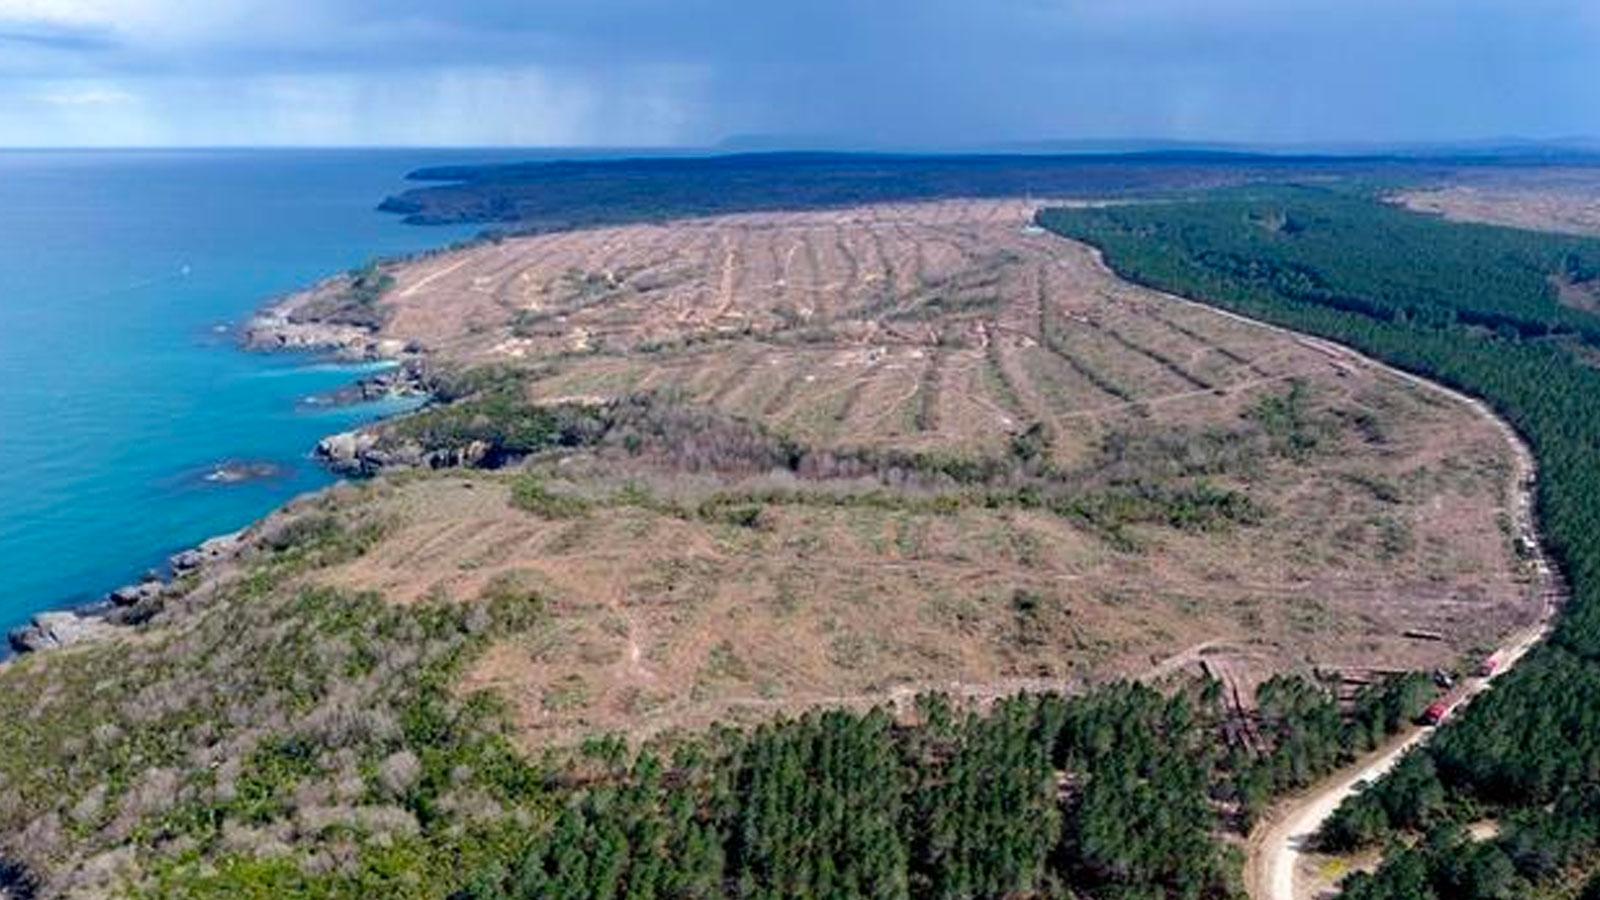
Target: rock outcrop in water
347,452
407,380
49,630
240,471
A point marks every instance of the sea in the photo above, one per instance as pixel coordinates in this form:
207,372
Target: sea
124,401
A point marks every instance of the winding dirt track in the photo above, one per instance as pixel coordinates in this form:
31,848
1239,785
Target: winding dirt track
1274,848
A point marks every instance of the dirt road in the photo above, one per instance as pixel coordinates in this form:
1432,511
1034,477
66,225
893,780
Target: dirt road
1274,850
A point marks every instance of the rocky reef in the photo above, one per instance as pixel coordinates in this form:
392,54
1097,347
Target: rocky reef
237,471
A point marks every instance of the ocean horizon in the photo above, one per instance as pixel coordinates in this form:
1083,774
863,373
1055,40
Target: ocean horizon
123,278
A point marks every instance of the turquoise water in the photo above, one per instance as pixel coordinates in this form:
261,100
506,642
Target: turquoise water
119,391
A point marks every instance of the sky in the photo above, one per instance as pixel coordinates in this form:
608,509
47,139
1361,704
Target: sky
876,73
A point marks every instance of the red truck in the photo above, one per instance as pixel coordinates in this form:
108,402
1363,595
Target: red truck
1438,710
1489,666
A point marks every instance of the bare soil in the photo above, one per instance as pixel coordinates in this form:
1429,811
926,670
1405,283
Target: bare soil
1564,200
947,328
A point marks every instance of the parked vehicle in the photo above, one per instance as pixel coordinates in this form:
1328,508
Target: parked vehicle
1437,711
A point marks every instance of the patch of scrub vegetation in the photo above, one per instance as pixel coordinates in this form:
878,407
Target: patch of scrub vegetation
567,693
278,735
1168,453
515,590
529,493
1379,487
1287,418
1198,507
723,662
1039,616
354,301
499,420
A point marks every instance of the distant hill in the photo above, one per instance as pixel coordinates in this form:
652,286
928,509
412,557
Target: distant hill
547,195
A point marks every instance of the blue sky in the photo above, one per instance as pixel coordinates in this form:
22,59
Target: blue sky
908,73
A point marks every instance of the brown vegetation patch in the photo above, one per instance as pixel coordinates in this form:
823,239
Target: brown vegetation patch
1581,295
955,331
1564,200
660,614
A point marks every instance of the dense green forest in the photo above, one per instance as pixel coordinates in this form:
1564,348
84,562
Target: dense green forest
1115,794
556,194
1477,308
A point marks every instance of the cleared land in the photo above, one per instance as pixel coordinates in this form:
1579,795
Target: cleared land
949,329
1281,863
1564,200
1029,476
940,326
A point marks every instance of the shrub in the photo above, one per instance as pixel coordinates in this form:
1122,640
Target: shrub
528,493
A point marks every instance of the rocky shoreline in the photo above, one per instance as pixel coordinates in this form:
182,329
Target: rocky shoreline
407,380
329,317
294,324
360,453
127,605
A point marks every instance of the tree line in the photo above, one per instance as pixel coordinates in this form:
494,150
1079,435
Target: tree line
1477,308
1119,793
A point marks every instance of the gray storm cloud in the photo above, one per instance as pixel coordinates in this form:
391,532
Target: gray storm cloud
936,73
